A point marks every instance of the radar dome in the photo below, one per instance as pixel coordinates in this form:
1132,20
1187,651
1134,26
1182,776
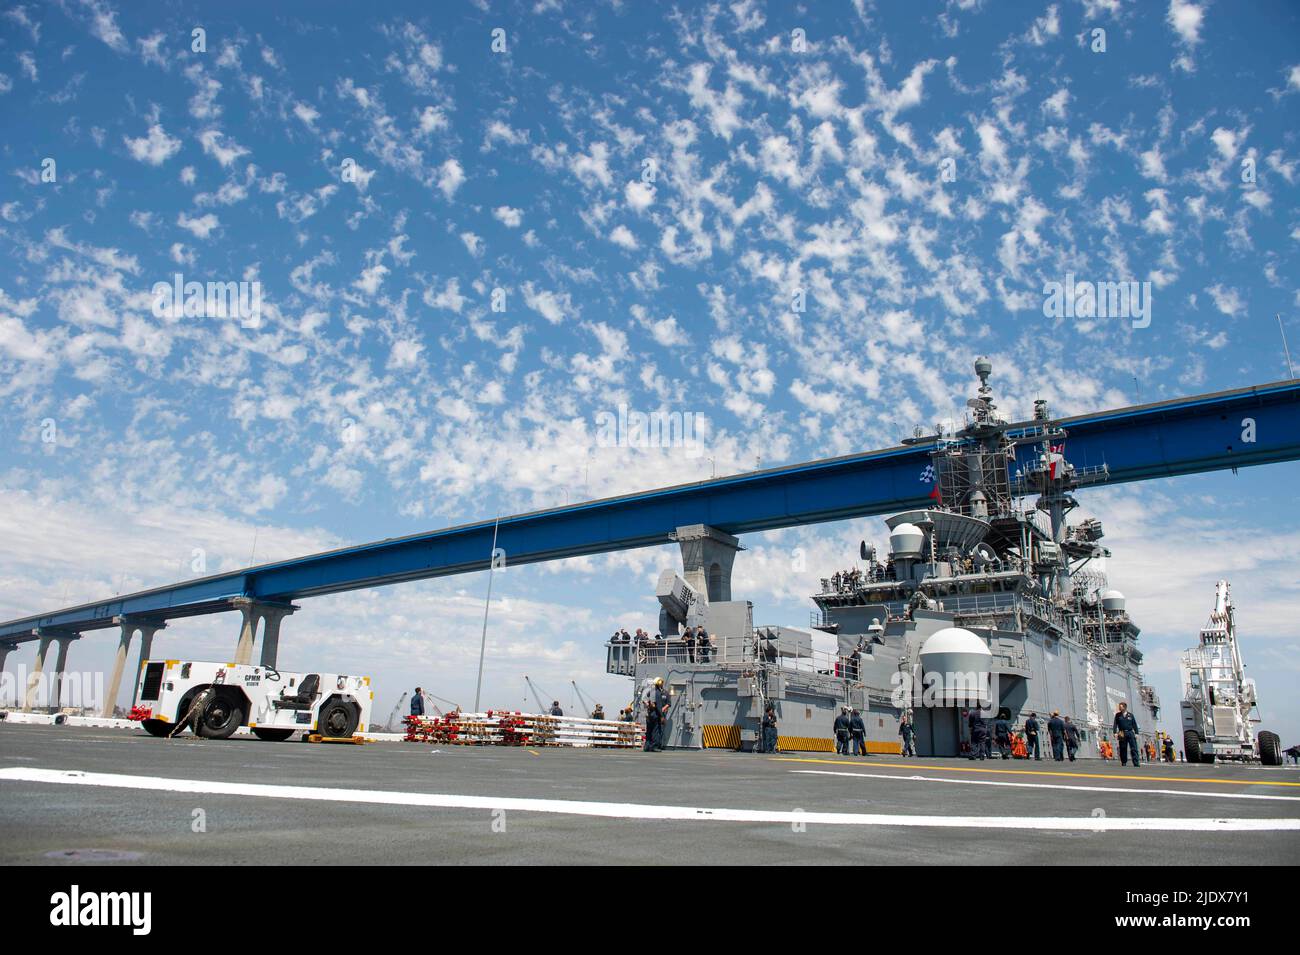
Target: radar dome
954,642
906,540
956,655
1112,600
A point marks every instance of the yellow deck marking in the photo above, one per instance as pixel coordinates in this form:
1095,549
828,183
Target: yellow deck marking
1038,772
534,752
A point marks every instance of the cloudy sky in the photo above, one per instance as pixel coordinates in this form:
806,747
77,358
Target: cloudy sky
475,228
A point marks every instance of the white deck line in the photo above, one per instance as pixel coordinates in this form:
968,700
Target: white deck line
610,810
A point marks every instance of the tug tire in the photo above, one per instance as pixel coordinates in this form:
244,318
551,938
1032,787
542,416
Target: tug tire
337,719
1270,749
220,717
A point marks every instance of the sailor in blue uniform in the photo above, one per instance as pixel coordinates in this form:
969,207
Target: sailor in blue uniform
1126,729
1056,733
979,734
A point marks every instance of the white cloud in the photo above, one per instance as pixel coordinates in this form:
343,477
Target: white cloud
508,216
103,24
450,177
1186,19
622,235
307,113
551,306
1226,141
639,195
431,120
722,109
221,147
1055,105
155,148
593,166
1227,300
201,226
371,279
472,242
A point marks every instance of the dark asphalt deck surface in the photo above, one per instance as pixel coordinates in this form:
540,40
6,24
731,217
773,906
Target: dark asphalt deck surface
40,821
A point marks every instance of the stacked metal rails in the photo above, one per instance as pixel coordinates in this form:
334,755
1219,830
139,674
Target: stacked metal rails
501,728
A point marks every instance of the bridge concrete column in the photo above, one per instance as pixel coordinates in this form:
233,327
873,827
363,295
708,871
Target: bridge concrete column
5,650
38,669
147,630
61,667
129,627
249,610
271,619
269,616
707,556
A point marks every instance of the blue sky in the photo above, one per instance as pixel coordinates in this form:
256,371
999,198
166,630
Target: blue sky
646,190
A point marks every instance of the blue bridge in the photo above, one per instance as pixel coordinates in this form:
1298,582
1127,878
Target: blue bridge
1229,429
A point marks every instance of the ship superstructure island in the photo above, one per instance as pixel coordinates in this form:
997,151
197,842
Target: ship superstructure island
991,598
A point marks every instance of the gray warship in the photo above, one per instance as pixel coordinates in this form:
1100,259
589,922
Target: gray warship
990,599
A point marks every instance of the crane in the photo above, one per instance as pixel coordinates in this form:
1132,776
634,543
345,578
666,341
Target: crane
582,698
392,717
1219,706
542,708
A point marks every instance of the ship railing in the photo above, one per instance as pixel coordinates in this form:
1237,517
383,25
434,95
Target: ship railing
970,604
846,583
622,657
894,609
791,655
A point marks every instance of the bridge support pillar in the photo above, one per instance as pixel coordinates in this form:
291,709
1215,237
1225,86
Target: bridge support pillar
60,668
129,627
271,619
247,631
146,649
269,615
5,650
707,556
38,670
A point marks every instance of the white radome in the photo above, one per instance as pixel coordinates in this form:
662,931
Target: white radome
956,639
955,650
1112,600
907,540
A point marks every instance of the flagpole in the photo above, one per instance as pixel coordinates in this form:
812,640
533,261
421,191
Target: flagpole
482,646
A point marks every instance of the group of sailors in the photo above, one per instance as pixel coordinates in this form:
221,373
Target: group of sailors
850,581
847,581
1063,736
850,733
693,646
